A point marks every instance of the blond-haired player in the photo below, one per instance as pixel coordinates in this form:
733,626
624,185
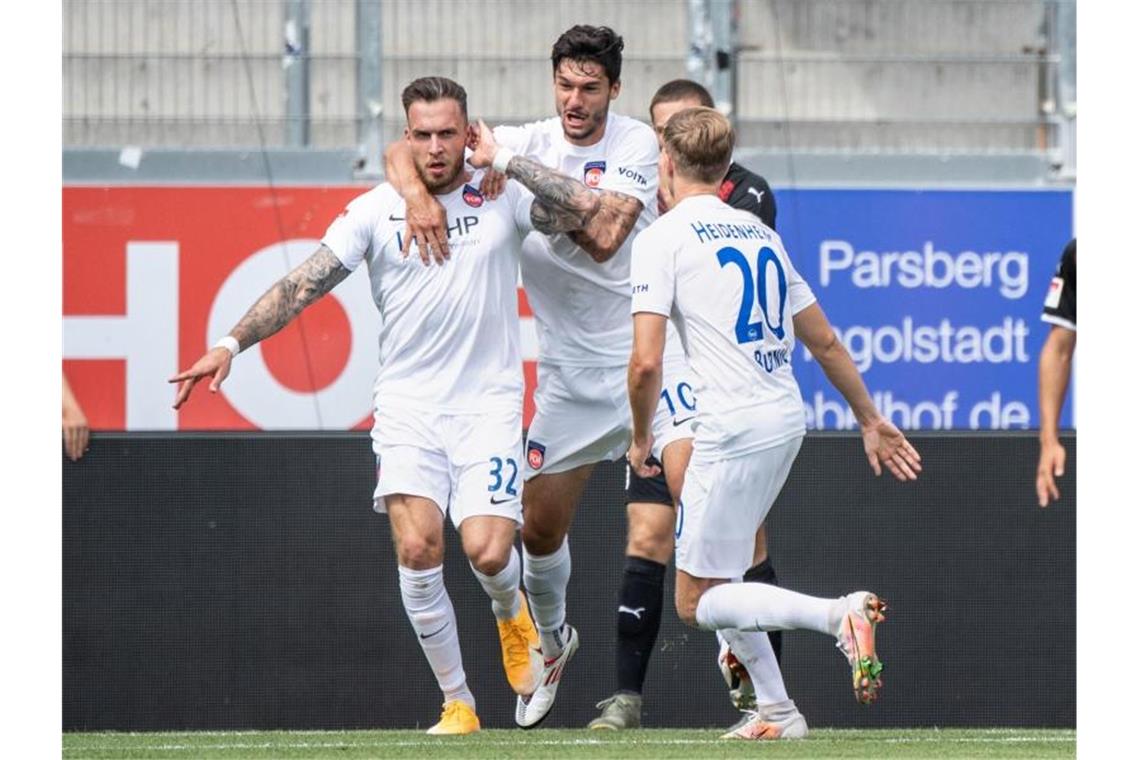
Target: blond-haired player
725,280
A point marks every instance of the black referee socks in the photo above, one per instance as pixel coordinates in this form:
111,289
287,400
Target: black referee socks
638,620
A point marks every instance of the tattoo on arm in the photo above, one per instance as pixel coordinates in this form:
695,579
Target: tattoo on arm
607,229
288,297
560,203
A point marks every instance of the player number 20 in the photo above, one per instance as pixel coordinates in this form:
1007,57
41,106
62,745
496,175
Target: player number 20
756,292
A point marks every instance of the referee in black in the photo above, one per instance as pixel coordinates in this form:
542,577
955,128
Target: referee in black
1054,369
649,505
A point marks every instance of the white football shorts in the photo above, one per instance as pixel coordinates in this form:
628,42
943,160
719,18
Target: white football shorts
468,464
722,504
582,415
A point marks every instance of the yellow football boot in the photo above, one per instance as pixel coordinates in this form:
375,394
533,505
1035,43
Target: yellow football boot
522,652
458,718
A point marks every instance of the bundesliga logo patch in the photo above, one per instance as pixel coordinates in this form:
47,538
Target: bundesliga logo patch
726,189
1053,297
535,454
592,173
472,197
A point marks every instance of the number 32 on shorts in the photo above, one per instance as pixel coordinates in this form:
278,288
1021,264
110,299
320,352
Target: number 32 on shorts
504,472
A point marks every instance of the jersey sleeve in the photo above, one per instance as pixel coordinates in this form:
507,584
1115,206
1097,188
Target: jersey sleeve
516,138
631,169
652,275
350,235
1061,300
520,199
800,295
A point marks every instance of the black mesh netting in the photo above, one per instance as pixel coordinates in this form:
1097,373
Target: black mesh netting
243,581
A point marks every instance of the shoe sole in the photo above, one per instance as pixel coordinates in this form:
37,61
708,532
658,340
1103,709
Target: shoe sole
866,668
572,647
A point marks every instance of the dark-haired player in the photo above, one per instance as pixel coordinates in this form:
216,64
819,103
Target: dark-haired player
578,287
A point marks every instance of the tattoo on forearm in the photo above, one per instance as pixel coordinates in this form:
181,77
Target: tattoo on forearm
288,297
560,203
605,232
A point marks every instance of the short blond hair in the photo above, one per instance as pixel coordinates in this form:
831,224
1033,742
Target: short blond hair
700,142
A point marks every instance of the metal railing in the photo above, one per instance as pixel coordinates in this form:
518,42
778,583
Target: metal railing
846,76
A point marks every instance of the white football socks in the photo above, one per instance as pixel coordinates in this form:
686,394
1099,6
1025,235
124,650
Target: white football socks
433,619
763,607
546,578
754,650
503,588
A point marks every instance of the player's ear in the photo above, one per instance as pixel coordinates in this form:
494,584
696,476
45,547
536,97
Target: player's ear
615,88
472,136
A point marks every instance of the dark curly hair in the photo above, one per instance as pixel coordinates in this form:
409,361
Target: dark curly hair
599,44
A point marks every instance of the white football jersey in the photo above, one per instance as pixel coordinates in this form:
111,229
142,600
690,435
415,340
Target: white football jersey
449,339
581,307
725,280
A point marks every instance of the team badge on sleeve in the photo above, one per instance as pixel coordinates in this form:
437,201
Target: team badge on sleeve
535,454
1053,297
592,173
472,197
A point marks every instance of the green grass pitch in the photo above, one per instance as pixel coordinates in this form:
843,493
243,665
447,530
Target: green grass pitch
530,745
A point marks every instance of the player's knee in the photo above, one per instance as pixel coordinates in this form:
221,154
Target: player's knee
489,558
541,540
419,552
650,544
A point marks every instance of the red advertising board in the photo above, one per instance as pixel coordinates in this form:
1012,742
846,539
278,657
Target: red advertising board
152,276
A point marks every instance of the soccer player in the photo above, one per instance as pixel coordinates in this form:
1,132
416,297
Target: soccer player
578,286
650,508
724,278
1053,371
448,426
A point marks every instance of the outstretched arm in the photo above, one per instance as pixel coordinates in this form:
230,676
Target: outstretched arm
1052,384
883,443
288,297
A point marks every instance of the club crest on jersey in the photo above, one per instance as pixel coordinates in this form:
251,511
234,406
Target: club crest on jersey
472,197
535,454
592,173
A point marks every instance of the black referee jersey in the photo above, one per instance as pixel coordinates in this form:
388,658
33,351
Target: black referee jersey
1061,300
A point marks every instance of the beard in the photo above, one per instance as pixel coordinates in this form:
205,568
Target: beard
434,184
587,127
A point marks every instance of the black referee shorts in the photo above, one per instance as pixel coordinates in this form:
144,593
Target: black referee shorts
652,490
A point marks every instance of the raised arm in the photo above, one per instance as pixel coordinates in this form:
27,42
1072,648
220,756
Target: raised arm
288,297
426,219
610,226
598,222
883,443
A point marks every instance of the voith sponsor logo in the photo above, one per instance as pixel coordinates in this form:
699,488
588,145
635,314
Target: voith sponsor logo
636,176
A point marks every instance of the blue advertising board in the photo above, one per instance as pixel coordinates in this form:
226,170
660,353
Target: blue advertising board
937,295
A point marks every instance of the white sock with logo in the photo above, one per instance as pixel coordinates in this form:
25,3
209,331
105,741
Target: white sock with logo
546,578
763,607
433,619
503,588
754,650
